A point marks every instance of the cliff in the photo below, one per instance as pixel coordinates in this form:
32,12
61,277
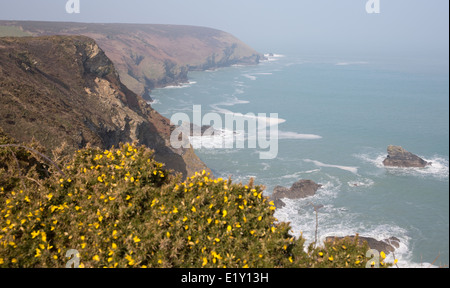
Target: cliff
59,89
151,56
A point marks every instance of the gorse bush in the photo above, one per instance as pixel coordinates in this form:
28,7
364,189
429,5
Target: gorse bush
120,208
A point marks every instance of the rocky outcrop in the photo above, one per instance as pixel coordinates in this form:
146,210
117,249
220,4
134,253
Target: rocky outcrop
399,157
64,89
191,129
387,245
300,189
152,56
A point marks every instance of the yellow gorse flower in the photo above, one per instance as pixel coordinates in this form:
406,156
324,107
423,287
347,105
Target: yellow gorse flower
189,215
34,234
130,260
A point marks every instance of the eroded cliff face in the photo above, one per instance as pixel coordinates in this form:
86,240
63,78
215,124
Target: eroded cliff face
64,89
151,56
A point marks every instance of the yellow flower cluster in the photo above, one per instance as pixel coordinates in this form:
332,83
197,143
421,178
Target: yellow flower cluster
215,215
120,208
84,211
346,253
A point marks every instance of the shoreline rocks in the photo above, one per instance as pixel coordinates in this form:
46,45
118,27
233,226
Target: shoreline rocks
300,189
399,157
387,245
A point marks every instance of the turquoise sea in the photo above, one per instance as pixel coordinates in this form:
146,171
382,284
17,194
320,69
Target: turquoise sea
338,117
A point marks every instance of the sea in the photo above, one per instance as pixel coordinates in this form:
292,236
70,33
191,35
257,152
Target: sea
336,118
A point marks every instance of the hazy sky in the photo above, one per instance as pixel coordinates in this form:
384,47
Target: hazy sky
412,27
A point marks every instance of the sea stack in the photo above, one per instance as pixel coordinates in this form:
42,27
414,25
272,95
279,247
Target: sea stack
399,157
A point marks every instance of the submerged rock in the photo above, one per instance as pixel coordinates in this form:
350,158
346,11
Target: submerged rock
399,157
300,189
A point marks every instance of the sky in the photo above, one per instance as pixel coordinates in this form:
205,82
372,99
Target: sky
402,27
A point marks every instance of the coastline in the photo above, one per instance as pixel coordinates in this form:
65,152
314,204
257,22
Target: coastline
149,56
357,177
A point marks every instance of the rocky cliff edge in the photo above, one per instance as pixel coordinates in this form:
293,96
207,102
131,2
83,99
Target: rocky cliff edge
64,89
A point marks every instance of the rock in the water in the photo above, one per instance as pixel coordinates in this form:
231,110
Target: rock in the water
300,189
387,245
279,203
303,189
280,192
399,157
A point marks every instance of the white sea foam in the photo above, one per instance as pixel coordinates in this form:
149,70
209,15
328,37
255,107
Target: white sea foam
182,85
230,102
270,121
363,182
439,168
351,63
374,159
221,138
263,73
295,135
154,102
266,166
299,175
346,168
251,77
300,213
238,91
339,222
272,57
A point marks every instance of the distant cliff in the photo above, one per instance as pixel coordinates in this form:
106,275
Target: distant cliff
59,89
151,56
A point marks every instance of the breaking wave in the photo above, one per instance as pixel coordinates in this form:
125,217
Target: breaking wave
346,168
